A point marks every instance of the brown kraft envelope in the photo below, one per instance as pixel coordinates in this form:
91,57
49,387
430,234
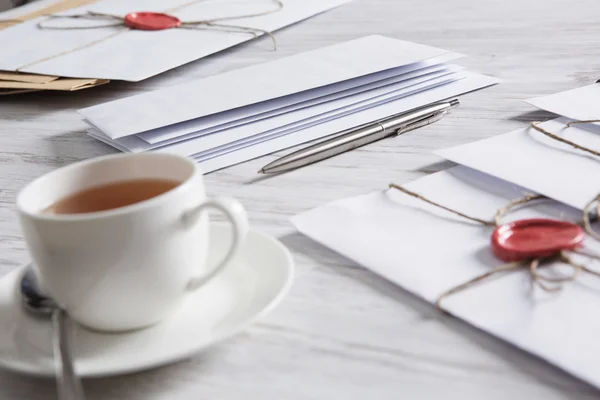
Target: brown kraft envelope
17,82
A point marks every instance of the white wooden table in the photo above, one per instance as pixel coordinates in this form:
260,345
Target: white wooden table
342,332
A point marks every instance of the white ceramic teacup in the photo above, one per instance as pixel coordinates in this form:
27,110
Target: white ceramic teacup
128,267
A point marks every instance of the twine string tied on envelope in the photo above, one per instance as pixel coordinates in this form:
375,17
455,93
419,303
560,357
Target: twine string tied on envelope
536,125
203,24
214,24
546,283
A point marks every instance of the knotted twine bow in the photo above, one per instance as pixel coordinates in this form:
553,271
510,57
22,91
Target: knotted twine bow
207,24
547,283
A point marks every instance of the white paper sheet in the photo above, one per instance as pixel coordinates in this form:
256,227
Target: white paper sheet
427,251
578,104
532,160
134,55
249,152
254,84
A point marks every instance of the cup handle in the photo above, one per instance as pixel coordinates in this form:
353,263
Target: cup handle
235,213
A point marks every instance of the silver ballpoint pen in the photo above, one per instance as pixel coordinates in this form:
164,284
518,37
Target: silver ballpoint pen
353,138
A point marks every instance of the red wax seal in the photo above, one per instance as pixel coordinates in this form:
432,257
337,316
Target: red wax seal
151,21
534,238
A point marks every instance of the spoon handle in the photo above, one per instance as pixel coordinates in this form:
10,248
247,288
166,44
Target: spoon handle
69,385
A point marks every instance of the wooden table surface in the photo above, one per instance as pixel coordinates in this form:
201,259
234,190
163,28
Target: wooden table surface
342,332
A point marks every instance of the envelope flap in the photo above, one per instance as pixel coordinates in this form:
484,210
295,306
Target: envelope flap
579,104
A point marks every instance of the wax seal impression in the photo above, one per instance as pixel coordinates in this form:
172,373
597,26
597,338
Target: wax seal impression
535,238
151,21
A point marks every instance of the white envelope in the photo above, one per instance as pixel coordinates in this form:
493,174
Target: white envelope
133,55
285,139
533,160
427,251
578,104
270,145
297,119
267,109
207,144
254,84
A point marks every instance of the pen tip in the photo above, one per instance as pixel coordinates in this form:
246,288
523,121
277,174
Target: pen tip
260,171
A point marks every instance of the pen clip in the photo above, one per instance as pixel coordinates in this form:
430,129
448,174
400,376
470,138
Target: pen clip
424,121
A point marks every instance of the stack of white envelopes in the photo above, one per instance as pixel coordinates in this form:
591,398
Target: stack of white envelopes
429,251
545,165
243,114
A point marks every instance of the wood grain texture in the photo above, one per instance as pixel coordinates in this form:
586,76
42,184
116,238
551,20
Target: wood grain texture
342,332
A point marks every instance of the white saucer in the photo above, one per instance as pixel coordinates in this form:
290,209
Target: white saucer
246,290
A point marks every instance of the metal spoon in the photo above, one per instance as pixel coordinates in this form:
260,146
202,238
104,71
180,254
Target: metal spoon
68,383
